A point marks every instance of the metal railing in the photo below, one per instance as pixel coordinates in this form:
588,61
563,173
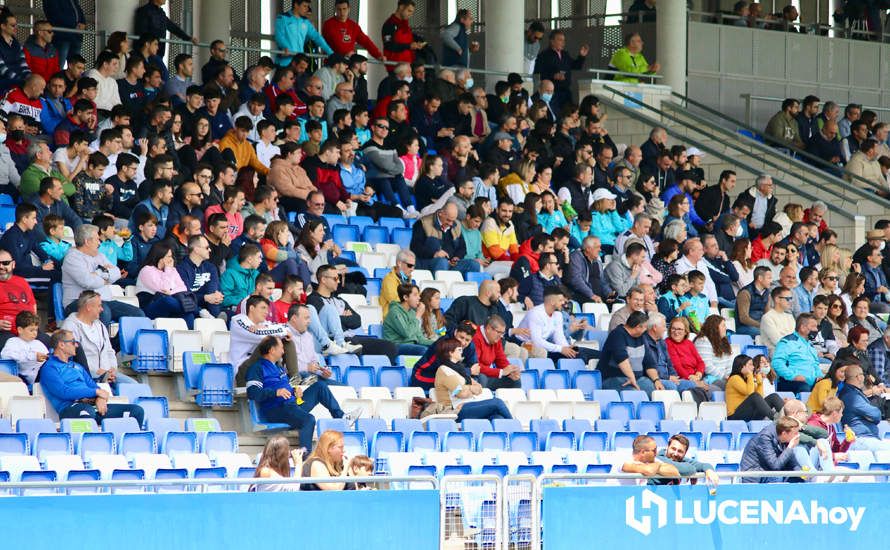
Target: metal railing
751,98
102,36
857,222
770,144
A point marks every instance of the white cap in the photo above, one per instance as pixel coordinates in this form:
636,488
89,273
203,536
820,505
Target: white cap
602,193
694,152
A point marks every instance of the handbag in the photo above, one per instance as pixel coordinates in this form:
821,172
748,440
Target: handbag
188,301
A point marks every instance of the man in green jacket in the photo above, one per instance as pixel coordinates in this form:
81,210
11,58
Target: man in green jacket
402,323
629,59
239,280
782,127
41,166
676,454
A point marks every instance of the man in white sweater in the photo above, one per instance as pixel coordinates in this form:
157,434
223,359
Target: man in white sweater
94,341
778,322
248,330
106,66
545,326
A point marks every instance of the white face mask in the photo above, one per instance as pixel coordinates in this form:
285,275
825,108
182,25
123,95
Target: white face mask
882,245
409,79
468,84
738,231
764,370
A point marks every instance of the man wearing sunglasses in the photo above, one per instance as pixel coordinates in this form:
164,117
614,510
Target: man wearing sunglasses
189,202
778,322
70,388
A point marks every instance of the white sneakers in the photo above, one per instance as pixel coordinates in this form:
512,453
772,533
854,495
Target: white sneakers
352,348
334,349
410,212
352,416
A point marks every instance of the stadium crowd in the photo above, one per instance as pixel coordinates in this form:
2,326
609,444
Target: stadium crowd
207,192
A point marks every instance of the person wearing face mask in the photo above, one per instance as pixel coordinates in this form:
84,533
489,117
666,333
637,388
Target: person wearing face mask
400,274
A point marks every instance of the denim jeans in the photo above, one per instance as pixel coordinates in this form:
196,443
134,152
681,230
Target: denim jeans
441,264
490,409
617,383
168,306
394,190
299,417
322,329
412,349
867,443
745,329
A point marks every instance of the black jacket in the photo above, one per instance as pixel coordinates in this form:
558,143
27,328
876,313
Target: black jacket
151,20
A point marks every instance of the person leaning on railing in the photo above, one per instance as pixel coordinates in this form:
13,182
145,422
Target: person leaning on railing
630,59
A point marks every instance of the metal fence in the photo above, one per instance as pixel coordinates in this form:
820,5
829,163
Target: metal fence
471,512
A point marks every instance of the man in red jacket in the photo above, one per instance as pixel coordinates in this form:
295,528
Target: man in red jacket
495,370
344,35
399,42
325,175
40,53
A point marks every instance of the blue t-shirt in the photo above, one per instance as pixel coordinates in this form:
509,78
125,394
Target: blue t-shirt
620,346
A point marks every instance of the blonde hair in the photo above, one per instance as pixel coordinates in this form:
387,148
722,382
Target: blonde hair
322,451
828,252
832,404
600,205
846,254
524,167
794,211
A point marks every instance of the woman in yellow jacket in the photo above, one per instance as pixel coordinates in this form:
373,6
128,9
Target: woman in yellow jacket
744,393
629,59
829,385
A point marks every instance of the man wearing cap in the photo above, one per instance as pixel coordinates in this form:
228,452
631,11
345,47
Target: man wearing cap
293,28
873,237
333,73
502,154
345,35
687,184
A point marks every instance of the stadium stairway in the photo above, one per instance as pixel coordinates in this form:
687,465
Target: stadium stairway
631,115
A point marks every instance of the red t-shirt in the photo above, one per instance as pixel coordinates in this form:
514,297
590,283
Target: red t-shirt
15,296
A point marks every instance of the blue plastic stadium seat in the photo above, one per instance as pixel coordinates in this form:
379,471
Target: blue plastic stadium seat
370,427
386,442
355,440
529,380
720,441
260,422
150,348
526,442
478,276
52,443
641,426
348,255
599,468
571,365
588,381
634,396
324,424
334,219
128,326
84,475
34,426
741,340
392,377
530,469
577,426
375,234
441,426
619,410
377,361
428,441
743,440
153,407
476,426
724,467
391,223
220,442
9,366
555,380
375,330
344,233
134,391
539,364
493,441
458,441
651,410
560,440
457,470
407,426
445,303
94,443
191,366
179,442
216,385
500,470
673,426
757,425
704,426
401,237
735,427
210,473
422,470
623,440
564,469
14,444
754,351
610,426
381,272
605,397
136,442
508,425
361,221
359,377
543,427
345,360
696,439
